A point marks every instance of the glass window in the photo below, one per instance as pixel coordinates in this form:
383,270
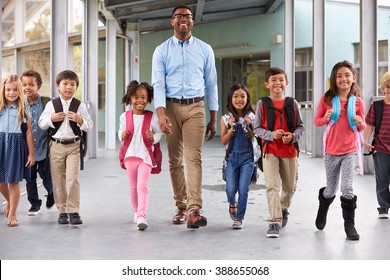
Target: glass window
40,62
8,66
304,75
38,20
383,64
8,37
248,71
383,51
75,16
77,68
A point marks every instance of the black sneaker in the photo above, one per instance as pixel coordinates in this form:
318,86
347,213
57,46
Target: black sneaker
34,210
75,219
49,200
285,214
273,231
63,219
383,213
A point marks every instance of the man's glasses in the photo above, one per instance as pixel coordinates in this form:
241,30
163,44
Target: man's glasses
181,16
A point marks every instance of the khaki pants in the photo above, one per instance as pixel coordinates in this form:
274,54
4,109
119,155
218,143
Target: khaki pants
65,170
186,141
280,176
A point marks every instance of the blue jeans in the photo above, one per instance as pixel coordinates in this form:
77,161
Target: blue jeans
239,171
382,176
43,169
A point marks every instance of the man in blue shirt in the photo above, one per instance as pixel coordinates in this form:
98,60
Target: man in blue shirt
183,74
31,83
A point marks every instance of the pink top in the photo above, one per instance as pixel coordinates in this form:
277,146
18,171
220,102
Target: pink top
341,138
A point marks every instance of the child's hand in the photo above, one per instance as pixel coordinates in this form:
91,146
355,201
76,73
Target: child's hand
287,137
149,134
357,119
124,135
231,121
278,134
72,116
369,147
248,120
328,114
30,161
58,117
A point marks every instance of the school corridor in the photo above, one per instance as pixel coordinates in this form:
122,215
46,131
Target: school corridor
108,232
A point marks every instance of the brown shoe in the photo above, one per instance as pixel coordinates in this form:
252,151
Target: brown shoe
180,217
195,220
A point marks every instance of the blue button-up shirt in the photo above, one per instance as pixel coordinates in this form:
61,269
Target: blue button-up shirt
40,136
184,70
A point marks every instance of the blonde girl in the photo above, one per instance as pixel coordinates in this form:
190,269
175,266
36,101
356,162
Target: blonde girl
16,144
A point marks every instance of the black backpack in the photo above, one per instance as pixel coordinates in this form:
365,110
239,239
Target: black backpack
288,110
74,105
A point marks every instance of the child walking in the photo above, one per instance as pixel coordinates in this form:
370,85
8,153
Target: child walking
66,117
31,83
236,133
381,148
137,159
342,110
16,144
278,122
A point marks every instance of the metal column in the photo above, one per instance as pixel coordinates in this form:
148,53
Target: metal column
111,121
369,65
319,77
90,69
289,46
59,41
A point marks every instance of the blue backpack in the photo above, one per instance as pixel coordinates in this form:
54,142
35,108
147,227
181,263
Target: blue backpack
351,110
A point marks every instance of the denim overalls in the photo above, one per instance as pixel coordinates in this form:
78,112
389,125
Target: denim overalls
239,171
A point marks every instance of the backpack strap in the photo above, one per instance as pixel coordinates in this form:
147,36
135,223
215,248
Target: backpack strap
73,107
57,108
145,127
289,113
378,109
129,128
336,110
270,108
44,100
351,111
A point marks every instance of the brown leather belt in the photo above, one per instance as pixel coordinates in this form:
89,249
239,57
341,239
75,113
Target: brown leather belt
185,101
66,141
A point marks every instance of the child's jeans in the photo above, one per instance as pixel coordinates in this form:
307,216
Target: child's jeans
382,176
239,172
138,172
43,169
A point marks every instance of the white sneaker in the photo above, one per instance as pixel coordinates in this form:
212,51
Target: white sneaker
142,224
135,217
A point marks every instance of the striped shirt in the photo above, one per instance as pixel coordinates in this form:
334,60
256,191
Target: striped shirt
382,140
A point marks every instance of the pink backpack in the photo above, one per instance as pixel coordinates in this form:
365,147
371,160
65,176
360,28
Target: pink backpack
155,152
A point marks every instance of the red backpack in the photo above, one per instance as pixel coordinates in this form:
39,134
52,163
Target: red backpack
155,152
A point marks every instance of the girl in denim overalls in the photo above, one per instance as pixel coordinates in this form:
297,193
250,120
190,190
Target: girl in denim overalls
15,137
236,126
